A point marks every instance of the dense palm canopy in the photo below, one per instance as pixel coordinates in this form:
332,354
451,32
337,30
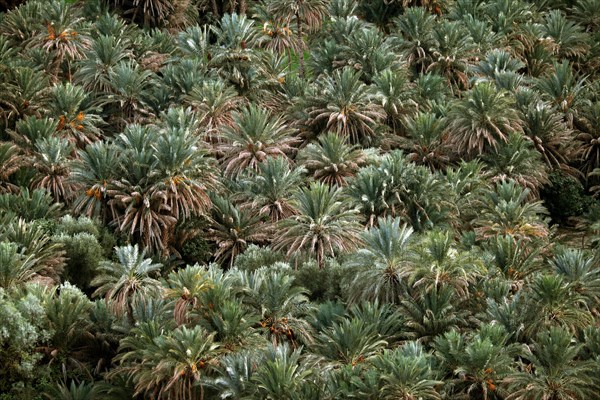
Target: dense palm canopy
299,199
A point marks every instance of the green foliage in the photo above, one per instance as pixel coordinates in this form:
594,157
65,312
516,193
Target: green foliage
255,257
373,177
22,317
564,197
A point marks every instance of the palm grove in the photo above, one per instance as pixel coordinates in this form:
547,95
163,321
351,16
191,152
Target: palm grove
299,199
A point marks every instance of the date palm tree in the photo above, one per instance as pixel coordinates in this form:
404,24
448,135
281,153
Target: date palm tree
64,37
233,54
568,37
105,52
407,374
506,210
580,271
554,371
270,190
122,282
346,106
233,229
167,365
382,263
15,267
94,170
165,176
53,165
563,88
517,159
77,121
439,263
425,142
479,364
453,49
280,305
323,226
416,27
396,96
481,120
281,374
185,288
214,103
331,160
348,342
12,160
254,135
303,12
549,134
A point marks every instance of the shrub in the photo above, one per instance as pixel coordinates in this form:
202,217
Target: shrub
564,197
256,257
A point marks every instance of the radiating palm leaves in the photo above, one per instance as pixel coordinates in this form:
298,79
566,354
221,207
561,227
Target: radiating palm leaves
323,226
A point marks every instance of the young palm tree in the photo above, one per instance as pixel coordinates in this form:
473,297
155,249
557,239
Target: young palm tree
554,372
233,229
254,135
77,121
11,160
94,170
346,106
425,140
396,96
213,101
506,211
280,305
304,12
383,263
483,119
348,342
549,134
53,165
332,160
105,52
124,281
15,267
563,88
270,190
323,226
406,374
185,287
516,159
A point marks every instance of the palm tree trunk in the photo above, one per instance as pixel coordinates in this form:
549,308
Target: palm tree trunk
215,8
301,55
243,7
